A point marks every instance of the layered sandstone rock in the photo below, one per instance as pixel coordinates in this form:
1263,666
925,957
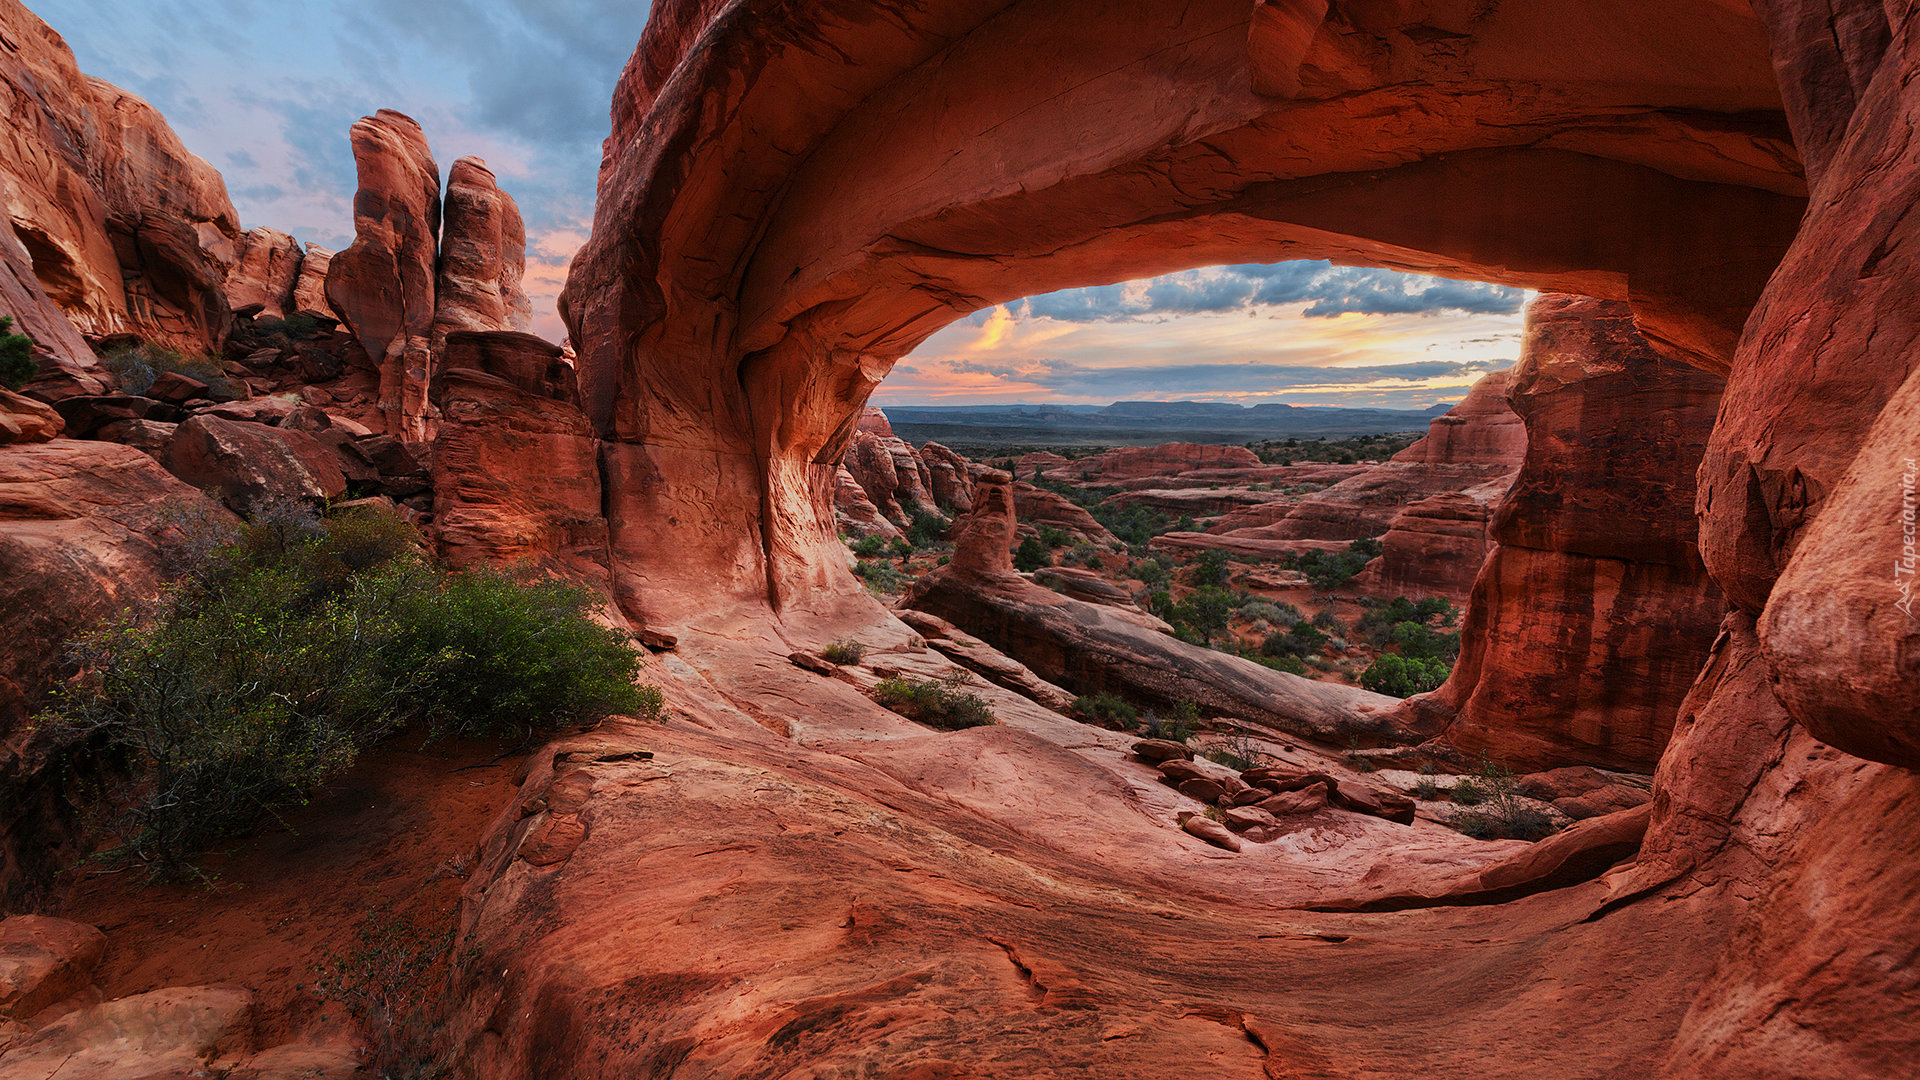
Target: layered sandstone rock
24,420
124,231
382,285
1435,547
1044,509
950,476
1167,459
262,280
1589,620
856,514
483,256
310,290
893,476
86,529
516,478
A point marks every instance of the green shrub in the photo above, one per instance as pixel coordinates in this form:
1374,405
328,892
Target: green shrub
1210,568
942,705
136,366
1031,555
284,654
1465,792
1133,525
927,529
1504,815
1205,613
1331,569
882,578
843,652
1404,676
1151,571
869,547
1054,538
1300,640
1177,728
16,357
1107,710
1426,789
901,548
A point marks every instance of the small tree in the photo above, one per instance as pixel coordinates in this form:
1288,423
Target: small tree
1031,555
16,356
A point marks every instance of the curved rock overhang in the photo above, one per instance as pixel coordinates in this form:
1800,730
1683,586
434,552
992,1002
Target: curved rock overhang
795,196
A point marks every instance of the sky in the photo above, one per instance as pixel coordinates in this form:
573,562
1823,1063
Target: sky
266,90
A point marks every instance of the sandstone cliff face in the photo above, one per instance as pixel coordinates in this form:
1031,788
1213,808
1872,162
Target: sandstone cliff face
516,478
382,285
123,231
483,255
1588,622
267,267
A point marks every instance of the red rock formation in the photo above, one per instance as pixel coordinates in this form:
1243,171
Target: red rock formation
125,232
856,514
382,285
310,291
262,279
85,530
949,476
516,478
893,476
249,464
1040,507
1436,546
1588,622
1476,441
24,420
1167,459
483,255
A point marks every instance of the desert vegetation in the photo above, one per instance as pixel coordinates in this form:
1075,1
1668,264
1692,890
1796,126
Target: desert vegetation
16,356
299,640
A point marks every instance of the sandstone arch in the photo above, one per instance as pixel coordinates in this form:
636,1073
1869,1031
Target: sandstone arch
792,200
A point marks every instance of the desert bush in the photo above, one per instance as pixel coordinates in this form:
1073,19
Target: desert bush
1133,525
136,366
16,356
266,671
1301,640
1107,710
882,578
1152,571
1404,676
869,547
843,652
937,704
901,548
1331,569
1503,815
1178,729
380,978
927,529
1269,612
1031,555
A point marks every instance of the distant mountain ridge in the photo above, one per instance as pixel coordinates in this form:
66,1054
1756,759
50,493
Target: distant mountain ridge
1146,422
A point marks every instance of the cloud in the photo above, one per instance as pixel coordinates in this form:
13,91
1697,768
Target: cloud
1327,290
1068,379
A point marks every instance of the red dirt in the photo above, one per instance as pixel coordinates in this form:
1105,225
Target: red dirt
400,829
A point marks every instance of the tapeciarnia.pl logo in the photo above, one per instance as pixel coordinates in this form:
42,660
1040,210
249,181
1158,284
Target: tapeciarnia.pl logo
1904,565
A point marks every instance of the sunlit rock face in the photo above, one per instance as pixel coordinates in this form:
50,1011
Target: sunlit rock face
111,226
382,285
1588,621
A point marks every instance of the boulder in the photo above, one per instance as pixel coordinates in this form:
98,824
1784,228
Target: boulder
249,464
86,414
24,420
949,477
1159,750
483,256
176,389
1209,830
1204,790
382,285
310,290
262,280
44,960
150,437
1307,800
176,1032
